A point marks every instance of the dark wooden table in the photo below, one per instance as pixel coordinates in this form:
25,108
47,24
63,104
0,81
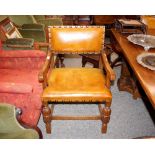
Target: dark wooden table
145,76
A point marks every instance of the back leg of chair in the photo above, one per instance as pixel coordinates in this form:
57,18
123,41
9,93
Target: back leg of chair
47,116
106,111
61,58
84,61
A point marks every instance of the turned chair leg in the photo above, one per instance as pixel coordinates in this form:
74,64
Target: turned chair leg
106,111
47,116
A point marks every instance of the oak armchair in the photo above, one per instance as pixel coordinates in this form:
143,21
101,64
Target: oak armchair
76,85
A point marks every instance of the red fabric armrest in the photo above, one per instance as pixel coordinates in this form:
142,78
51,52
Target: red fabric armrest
18,88
22,54
22,59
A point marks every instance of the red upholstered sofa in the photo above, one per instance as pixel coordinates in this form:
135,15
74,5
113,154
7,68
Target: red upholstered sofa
19,82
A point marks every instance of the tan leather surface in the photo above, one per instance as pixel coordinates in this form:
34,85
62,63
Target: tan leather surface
76,84
77,39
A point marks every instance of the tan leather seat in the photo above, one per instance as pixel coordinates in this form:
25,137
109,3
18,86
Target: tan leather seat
76,84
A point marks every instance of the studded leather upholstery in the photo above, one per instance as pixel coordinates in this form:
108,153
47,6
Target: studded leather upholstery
76,84
76,39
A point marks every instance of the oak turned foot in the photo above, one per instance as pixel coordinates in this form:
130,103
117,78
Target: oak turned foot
48,128
104,128
46,117
105,116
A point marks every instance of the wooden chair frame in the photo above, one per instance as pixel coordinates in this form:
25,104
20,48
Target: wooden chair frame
104,112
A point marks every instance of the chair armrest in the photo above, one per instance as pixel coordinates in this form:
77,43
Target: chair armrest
16,88
38,45
22,59
49,62
107,67
22,54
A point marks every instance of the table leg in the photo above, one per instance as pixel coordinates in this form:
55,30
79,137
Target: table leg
47,116
126,82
